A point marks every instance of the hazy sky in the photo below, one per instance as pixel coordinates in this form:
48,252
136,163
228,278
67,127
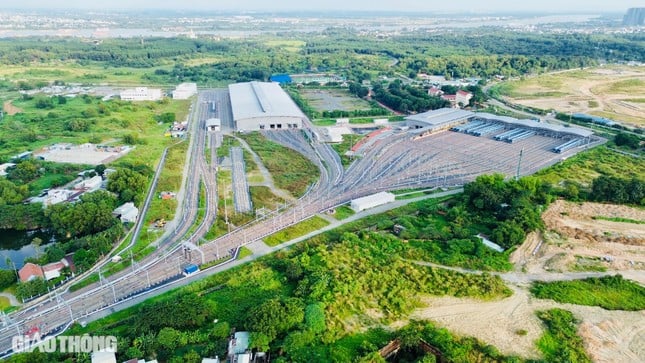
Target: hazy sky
555,6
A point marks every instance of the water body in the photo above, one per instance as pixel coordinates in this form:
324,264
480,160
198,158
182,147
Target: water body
17,246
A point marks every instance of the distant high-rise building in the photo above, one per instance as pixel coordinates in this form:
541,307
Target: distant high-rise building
634,17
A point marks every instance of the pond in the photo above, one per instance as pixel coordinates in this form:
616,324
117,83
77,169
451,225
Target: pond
17,246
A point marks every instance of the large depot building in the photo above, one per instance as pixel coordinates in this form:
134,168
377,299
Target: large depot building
263,106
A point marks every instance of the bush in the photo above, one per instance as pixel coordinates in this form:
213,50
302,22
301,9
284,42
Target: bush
609,292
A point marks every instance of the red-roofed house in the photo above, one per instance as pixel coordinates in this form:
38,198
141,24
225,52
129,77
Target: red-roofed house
52,270
435,91
30,271
463,97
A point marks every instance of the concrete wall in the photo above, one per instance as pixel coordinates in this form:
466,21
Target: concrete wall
279,123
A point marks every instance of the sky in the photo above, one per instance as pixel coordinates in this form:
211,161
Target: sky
554,6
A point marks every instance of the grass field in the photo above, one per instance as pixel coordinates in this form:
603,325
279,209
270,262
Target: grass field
610,292
169,181
290,170
560,339
288,45
73,72
4,303
588,165
343,212
80,120
295,231
345,146
613,92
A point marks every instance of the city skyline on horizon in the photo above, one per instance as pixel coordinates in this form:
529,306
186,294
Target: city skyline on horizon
464,6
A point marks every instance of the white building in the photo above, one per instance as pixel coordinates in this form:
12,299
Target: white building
90,185
128,213
4,167
184,91
371,201
263,106
103,357
213,124
141,94
56,196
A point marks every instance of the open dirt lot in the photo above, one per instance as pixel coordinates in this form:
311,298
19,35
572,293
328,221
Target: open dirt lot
614,92
576,241
333,99
10,109
83,154
609,336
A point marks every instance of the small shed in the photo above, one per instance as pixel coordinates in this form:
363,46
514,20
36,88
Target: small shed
127,213
213,124
371,201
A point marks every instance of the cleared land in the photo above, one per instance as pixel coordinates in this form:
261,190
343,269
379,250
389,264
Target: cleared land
615,92
609,336
333,99
10,109
575,241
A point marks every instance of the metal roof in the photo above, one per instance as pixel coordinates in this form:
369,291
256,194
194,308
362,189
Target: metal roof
535,125
261,100
213,122
441,116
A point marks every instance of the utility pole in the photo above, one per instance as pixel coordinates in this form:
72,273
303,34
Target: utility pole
519,164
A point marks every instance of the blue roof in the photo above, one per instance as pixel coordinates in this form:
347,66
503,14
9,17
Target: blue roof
596,119
280,78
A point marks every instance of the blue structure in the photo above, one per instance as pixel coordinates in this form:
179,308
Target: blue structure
594,119
280,78
190,269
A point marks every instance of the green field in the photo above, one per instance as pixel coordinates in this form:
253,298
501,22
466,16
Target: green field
290,170
295,231
45,121
560,340
169,181
341,148
343,212
610,292
588,165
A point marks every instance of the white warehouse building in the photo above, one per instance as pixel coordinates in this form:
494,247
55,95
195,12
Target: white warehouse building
371,201
184,91
263,106
141,94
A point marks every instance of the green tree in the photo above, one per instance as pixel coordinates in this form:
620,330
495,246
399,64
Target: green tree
7,278
24,172
128,184
275,317
169,339
315,318
100,169
11,193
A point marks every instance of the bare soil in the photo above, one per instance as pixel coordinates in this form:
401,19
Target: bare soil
10,109
609,336
599,91
574,236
